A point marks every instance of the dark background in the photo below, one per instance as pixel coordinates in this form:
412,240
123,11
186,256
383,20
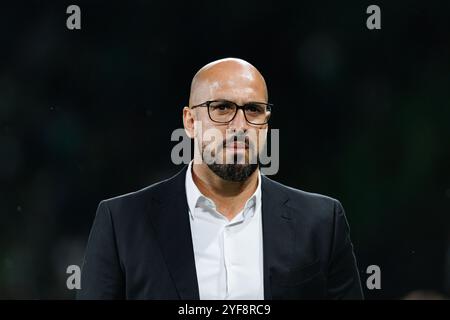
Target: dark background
363,116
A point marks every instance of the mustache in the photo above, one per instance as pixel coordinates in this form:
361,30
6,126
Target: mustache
238,138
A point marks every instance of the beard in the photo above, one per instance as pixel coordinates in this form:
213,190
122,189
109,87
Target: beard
233,172
238,170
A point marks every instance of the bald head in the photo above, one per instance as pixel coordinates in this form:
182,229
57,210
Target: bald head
228,139
230,79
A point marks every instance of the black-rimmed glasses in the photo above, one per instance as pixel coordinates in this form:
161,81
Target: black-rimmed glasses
224,111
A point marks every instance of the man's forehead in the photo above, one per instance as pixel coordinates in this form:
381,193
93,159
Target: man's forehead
230,89
227,77
231,84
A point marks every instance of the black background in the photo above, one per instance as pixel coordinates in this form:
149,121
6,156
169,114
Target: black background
363,116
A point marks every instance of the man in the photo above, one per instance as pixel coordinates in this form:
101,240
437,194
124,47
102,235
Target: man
220,229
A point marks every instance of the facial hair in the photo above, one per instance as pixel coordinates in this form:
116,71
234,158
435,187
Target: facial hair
236,172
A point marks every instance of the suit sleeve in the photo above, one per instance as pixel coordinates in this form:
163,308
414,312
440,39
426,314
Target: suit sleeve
101,275
343,280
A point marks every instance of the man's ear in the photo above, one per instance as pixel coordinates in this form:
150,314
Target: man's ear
188,121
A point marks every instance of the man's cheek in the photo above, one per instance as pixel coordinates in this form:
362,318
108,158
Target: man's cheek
212,150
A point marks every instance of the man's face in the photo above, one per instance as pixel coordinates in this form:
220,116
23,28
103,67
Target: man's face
230,149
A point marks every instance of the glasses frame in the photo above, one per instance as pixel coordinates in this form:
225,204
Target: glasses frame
238,107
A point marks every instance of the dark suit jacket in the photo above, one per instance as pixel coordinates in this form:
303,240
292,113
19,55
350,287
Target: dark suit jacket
140,246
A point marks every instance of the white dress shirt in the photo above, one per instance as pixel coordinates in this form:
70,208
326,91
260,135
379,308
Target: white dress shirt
228,254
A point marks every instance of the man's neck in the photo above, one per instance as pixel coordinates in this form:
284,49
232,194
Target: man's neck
229,196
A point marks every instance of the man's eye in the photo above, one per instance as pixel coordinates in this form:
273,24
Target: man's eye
254,108
222,106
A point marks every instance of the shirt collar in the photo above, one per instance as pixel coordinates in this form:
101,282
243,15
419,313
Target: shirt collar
195,198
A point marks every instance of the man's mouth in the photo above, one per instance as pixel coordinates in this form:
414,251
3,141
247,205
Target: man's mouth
237,145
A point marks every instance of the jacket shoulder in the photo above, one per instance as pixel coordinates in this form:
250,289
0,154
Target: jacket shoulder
136,200
300,201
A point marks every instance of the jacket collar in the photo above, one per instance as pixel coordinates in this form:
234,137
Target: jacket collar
168,211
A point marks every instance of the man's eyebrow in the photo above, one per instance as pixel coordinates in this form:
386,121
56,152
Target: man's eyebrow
230,100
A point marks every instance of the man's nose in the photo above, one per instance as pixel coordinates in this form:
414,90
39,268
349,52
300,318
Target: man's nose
239,122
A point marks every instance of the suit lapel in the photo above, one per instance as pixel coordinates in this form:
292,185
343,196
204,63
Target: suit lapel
278,232
170,221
